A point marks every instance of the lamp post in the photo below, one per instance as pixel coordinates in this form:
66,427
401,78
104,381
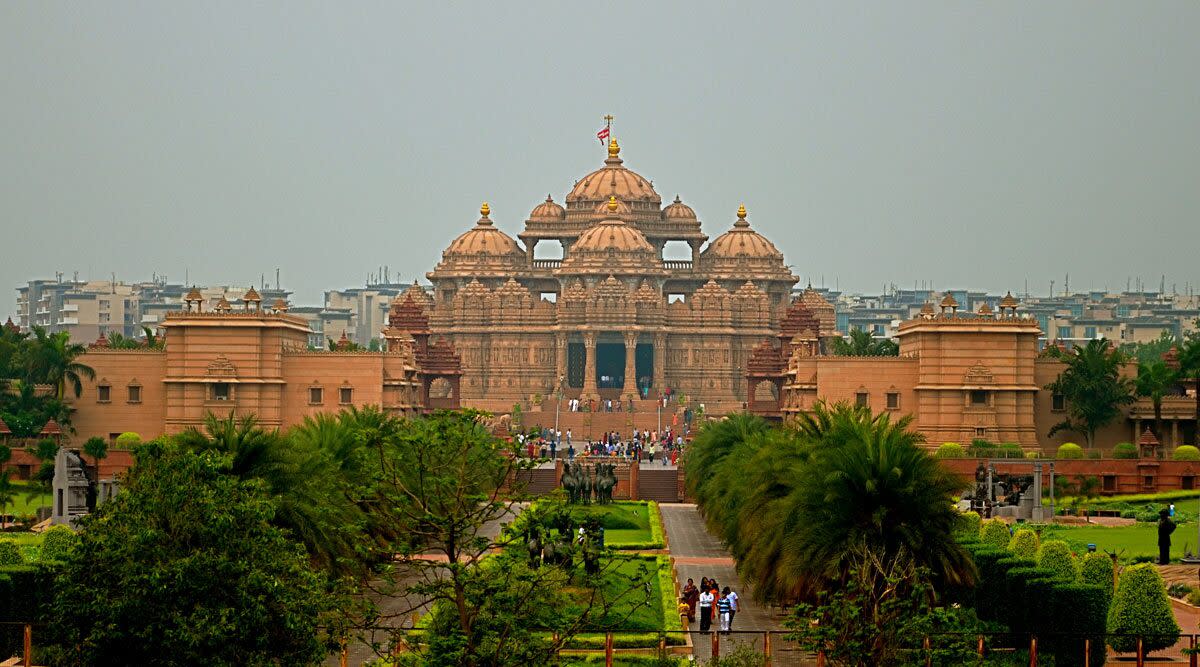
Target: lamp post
557,409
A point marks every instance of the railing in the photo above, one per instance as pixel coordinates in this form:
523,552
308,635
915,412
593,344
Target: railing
547,263
677,264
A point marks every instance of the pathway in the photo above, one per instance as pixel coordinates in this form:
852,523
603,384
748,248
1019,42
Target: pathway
698,554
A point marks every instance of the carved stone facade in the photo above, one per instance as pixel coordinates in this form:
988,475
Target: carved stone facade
612,318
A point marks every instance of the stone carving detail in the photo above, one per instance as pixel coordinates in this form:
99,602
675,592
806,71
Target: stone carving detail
221,367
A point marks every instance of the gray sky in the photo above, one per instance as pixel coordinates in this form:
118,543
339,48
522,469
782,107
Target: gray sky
972,144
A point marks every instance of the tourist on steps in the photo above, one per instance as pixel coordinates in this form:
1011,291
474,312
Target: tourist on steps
705,605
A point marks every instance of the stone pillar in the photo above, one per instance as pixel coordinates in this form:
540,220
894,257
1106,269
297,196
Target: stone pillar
659,382
560,358
1137,431
1174,433
530,244
695,253
589,366
630,388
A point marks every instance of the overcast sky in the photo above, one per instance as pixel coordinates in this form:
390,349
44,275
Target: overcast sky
970,144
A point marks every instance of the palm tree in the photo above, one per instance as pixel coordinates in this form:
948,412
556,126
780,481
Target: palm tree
862,344
97,448
856,495
1093,388
302,481
1154,380
52,360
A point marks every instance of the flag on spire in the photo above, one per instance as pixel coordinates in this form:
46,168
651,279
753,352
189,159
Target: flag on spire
602,134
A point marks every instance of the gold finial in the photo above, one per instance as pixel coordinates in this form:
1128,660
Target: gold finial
613,148
612,202
485,209
742,212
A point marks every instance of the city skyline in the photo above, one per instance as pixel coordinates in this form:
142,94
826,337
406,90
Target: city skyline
981,147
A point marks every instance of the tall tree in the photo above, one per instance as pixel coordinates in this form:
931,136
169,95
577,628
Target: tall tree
1189,368
1093,388
184,567
51,359
1154,381
309,497
97,448
862,344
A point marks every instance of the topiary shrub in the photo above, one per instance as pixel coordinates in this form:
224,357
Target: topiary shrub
1073,613
1125,450
1035,454
1185,453
1094,454
968,524
1140,608
1055,556
57,543
995,532
1096,569
128,440
1069,450
1011,450
1024,544
10,554
950,450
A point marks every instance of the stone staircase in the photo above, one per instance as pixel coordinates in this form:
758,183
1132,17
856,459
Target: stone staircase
645,416
660,485
539,481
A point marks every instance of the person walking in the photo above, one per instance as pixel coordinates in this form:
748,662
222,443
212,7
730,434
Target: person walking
706,606
570,453
723,611
691,596
733,605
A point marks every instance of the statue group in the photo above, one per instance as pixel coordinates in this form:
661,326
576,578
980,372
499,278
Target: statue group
582,485
994,490
560,542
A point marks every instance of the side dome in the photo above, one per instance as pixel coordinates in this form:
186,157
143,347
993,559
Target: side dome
481,249
741,241
613,180
679,211
548,211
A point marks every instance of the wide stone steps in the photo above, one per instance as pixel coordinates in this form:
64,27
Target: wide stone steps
658,485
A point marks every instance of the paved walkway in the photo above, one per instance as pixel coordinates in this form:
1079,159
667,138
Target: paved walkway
698,554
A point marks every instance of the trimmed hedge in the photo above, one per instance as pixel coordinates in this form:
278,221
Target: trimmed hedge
1097,569
1125,450
1018,614
950,450
1024,544
968,524
1056,556
1069,450
995,532
1074,612
1185,453
1140,608
10,554
57,543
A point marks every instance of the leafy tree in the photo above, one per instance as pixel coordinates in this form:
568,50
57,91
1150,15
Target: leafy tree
448,482
57,543
1152,350
184,567
6,492
1189,369
1093,388
1154,381
51,359
861,343
309,496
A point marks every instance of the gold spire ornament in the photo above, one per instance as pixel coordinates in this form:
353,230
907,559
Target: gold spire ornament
742,212
612,201
614,149
485,209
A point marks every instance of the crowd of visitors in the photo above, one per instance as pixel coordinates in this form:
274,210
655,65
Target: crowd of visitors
711,603
645,445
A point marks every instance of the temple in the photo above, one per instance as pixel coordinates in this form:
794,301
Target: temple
611,319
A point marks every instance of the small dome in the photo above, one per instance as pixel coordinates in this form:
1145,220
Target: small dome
949,301
985,309
741,241
548,211
611,234
251,295
483,239
193,295
613,207
677,210
613,180
1009,301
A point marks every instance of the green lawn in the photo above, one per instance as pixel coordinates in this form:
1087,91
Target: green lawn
22,503
30,543
1140,539
627,524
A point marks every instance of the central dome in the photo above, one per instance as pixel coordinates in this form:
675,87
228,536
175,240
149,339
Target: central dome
613,180
612,234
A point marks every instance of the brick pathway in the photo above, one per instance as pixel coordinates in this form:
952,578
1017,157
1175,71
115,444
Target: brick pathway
698,554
